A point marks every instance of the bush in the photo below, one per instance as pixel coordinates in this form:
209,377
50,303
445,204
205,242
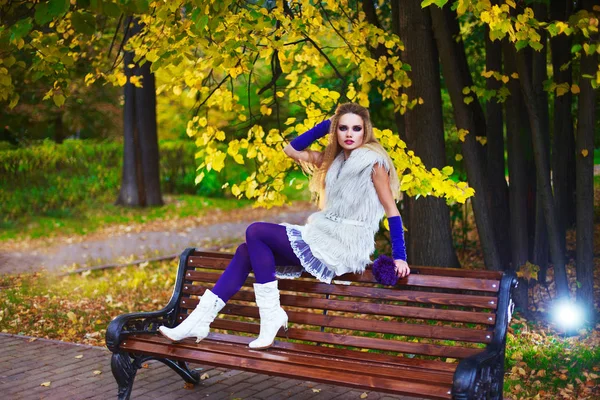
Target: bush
53,179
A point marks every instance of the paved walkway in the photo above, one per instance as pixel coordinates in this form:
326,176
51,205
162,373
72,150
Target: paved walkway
78,372
132,245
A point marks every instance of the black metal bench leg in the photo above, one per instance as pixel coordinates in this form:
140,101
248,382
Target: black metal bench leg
124,370
182,368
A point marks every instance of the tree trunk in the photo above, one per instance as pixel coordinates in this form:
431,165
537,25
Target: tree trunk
140,185
59,129
469,117
516,135
498,203
542,168
585,179
429,238
563,145
540,74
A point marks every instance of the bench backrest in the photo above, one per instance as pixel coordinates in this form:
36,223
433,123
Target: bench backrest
442,313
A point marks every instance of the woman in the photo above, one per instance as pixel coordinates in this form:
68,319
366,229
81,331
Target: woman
356,183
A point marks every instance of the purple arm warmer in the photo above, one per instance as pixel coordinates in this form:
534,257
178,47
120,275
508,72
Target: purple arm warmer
397,236
303,141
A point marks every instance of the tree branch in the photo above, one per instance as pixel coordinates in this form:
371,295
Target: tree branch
336,31
122,42
250,83
210,94
115,35
326,57
276,72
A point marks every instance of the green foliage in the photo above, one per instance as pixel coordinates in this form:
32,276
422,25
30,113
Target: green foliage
50,178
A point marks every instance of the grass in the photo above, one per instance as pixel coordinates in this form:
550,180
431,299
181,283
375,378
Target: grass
94,215
78,308
539,362
91,216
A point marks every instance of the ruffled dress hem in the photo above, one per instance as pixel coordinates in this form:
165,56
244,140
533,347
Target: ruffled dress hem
310,263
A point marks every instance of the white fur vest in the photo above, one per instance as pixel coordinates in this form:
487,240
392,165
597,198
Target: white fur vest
342,235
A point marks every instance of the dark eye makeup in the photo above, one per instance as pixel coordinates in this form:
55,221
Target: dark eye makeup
355,128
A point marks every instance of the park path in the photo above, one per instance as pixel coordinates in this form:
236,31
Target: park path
75,372
134,246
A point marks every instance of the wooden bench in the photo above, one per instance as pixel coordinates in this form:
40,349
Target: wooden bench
440,333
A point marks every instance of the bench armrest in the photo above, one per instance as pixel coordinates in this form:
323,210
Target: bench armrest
481,376
144,322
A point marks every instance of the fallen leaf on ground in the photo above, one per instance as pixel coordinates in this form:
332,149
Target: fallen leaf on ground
72,317
33,339
316,390
364,395
188,386
46,384
79,356
145,365
204,376
96,372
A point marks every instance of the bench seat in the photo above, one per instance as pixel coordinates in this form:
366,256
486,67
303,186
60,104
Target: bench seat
432,379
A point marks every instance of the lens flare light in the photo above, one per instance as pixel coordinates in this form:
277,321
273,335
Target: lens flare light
568,315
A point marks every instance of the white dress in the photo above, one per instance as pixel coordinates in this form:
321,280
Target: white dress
340,238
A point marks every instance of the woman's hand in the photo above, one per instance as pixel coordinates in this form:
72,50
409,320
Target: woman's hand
402,269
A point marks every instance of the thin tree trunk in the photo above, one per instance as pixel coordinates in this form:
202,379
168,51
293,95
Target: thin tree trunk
140,185
498,202
59,128
469,117
429,238
543,175
540,74
585,179
516,134
563,145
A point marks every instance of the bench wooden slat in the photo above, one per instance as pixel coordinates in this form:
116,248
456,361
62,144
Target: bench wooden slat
312,373
346,354
221,260
442,282
360,307
294,358
428,349
414,279
368,325
449,299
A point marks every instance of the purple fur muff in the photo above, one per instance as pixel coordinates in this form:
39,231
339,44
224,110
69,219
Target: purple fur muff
384,270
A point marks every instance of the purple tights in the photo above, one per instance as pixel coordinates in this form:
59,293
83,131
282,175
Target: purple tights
266,246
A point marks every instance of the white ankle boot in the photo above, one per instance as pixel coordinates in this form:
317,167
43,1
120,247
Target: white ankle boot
272,316
197,323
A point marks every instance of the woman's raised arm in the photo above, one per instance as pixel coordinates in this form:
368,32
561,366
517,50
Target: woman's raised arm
297,147
308,156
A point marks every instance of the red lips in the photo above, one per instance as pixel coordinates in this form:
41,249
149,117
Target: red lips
349,141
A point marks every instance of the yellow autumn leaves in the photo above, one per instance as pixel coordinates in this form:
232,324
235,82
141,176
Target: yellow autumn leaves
271,166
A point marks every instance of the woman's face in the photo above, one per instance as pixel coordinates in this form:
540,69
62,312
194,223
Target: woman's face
350,132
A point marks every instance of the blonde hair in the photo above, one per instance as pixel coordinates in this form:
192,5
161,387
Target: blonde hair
317,181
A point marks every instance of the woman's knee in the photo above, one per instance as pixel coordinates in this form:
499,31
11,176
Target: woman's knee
254,231
242,250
